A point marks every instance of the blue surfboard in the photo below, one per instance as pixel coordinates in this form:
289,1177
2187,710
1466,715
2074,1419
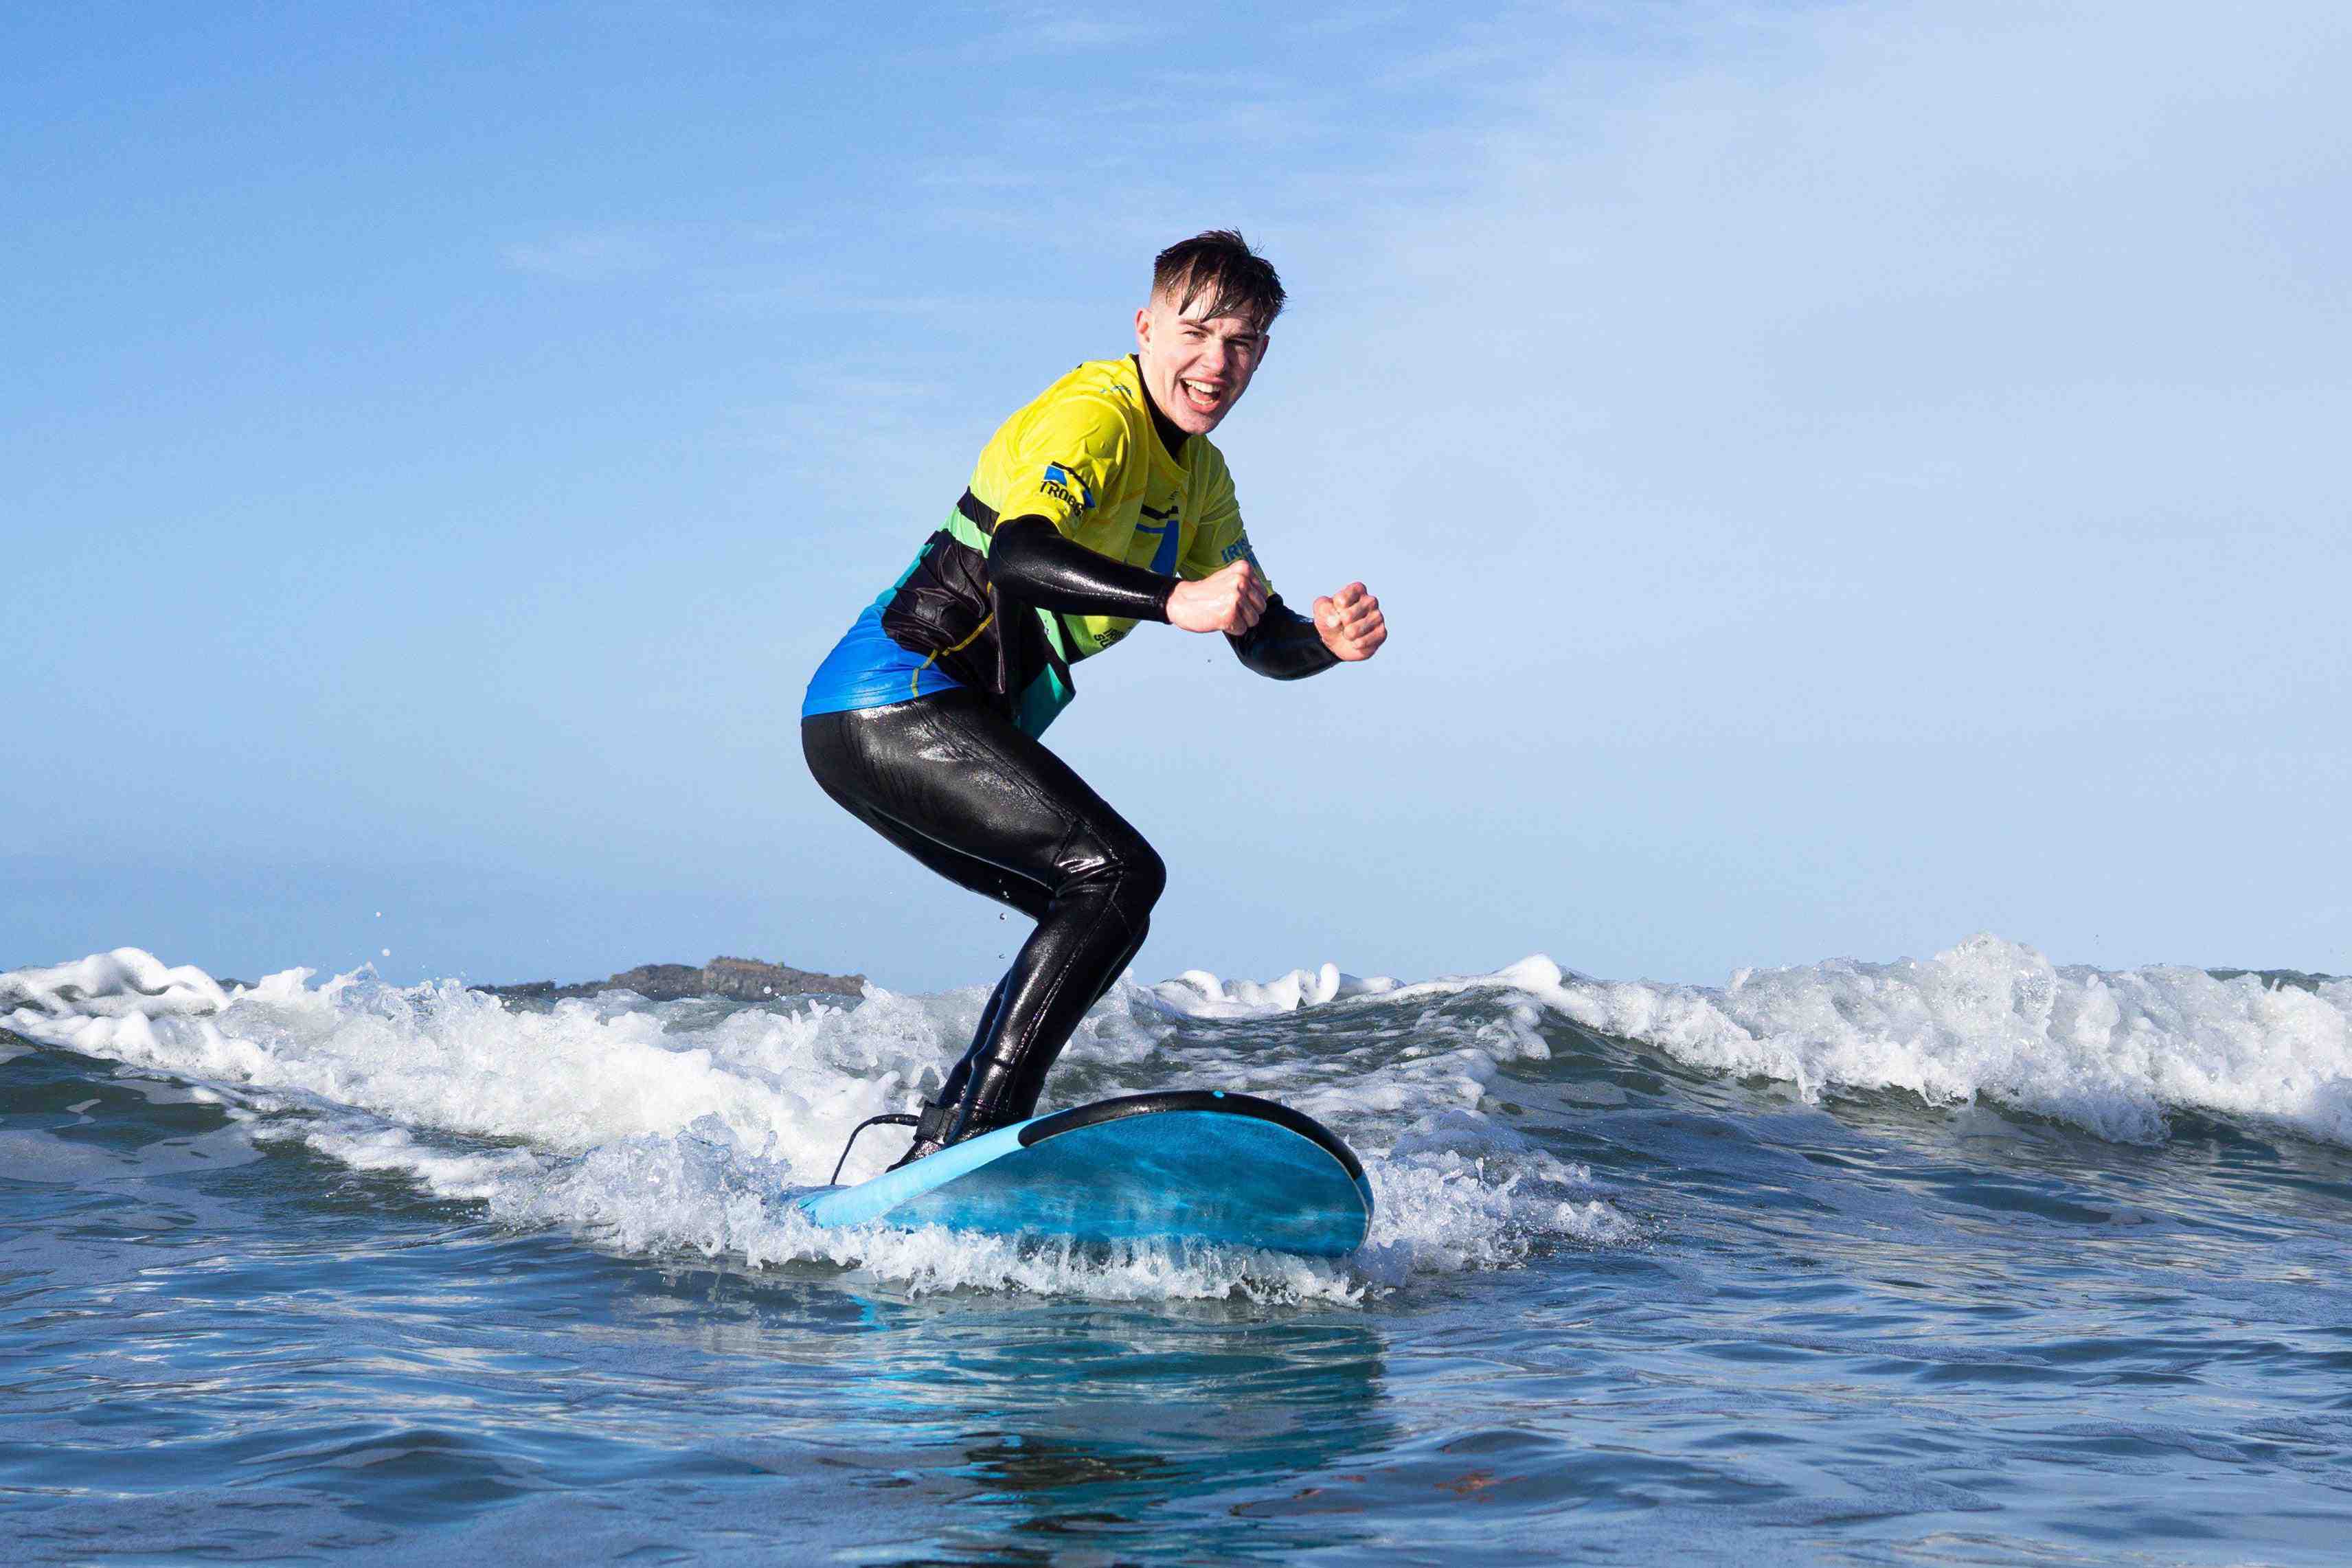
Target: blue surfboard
1189,1164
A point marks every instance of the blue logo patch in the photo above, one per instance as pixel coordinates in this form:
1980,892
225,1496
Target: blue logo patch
1061,478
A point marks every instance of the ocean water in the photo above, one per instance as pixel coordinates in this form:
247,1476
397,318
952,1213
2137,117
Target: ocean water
1972,1259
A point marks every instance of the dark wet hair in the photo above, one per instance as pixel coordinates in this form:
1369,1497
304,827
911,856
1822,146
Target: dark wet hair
1220,264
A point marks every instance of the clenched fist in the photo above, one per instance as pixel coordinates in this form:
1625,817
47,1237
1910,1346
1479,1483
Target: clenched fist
1229,600
1350,623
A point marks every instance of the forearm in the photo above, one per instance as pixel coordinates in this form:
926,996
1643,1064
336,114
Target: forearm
1029,560
1284,645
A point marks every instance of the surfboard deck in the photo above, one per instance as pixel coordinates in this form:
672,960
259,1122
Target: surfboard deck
1197,1165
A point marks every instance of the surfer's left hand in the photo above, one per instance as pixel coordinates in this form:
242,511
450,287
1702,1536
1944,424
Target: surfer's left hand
1349,622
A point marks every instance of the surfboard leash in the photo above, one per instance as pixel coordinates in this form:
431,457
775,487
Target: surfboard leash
895,1118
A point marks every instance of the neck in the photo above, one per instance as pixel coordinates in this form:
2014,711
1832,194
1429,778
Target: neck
1170,435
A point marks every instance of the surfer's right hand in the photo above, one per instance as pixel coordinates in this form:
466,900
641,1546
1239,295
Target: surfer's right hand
1229,600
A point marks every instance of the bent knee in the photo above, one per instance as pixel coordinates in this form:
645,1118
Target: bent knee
1148,874
1125,869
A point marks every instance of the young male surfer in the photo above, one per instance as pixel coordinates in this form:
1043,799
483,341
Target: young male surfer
1100,505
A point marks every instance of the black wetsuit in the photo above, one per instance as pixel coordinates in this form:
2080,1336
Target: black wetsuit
953,781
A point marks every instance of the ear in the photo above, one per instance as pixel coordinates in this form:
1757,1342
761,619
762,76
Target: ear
1143,327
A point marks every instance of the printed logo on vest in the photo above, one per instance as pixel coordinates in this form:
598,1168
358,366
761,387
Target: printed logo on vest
1064,485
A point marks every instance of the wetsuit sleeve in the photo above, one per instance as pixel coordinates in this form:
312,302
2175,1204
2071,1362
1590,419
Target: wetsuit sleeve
1029,561
1284,645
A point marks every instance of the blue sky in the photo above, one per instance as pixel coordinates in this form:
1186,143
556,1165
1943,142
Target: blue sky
1841,478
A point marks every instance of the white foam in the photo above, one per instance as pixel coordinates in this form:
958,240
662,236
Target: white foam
2112,1052
683,1127
1196,993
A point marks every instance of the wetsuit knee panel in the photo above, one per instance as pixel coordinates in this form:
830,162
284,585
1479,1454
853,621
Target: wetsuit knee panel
1148,880
1123,862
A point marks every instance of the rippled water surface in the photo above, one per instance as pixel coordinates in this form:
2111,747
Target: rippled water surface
1929,1269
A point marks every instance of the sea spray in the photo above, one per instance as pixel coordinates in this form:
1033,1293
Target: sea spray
683,1128
1988,1019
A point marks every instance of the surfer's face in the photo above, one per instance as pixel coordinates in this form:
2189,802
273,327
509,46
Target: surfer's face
1195,367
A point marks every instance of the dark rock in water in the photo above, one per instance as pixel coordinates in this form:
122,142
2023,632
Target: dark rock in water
658,982
525,990
749,980
740,979
2275,979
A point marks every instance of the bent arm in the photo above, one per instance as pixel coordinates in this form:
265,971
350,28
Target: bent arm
1284,645
1030,561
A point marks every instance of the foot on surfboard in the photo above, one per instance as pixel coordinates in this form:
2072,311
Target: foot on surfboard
930,1129
931,1133
916,1150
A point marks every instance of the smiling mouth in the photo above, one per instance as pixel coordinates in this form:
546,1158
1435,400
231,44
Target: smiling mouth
1200,394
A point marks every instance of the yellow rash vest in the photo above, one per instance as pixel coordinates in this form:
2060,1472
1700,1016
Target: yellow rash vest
1086,457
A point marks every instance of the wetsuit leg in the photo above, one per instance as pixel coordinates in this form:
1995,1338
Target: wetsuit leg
955,784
